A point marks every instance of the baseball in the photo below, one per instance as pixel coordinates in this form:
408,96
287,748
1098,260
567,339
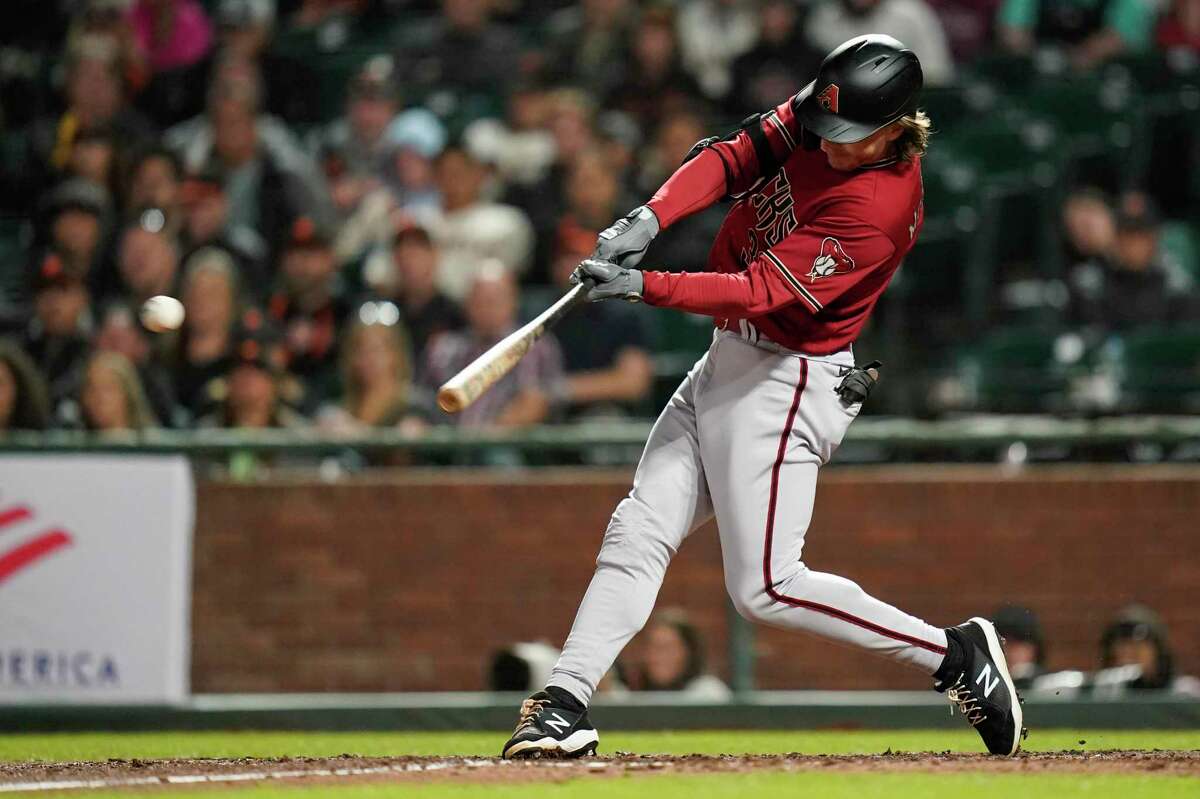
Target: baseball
162,313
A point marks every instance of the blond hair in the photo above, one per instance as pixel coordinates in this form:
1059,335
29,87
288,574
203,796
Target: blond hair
137,407
397,340
914,139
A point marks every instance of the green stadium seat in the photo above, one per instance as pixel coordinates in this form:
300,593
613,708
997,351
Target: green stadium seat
1014,370
1181,242
1158,370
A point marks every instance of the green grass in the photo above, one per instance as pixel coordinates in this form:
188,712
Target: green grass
101,746
825,786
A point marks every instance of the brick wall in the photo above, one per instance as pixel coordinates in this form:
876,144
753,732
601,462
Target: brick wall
407,582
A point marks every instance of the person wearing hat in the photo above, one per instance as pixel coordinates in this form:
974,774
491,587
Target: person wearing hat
309,307
56,336
354,148
412,285
75,217
255,390
207,223
1024,644
1134,283
1137,638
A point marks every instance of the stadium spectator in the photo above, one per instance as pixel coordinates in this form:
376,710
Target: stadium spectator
24,404
588,44
119,331
255,388
522,397
1024,644
154,180
94,158
95,100
1089,227
1137,637
268,177
56,338
376,372
147,259
593,192
354,150
415,138
1179,27
76,214
310,308
111,398
672,659
203,353
462,53
779,65
712,34
1090,31
572,125
471,228
913,22
520,146
426,311
605,345
1135,284
970,26
656,83
207,223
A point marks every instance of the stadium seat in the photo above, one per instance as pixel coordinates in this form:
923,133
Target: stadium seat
1014,370
1158,370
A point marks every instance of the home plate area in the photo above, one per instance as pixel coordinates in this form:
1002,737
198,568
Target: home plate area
82,776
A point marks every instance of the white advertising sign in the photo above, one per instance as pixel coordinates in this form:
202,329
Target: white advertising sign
95,578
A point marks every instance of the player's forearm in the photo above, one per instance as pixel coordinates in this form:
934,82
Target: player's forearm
696,185
739,294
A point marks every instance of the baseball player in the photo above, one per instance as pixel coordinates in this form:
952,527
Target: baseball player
827,200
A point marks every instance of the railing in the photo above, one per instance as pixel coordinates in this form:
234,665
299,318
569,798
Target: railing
979,437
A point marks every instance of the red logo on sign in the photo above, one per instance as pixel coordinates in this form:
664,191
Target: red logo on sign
832,260
828,99
25,555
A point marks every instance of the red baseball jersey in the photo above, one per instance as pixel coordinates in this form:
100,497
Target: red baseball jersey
805,251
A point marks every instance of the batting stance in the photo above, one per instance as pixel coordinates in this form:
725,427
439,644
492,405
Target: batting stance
826,192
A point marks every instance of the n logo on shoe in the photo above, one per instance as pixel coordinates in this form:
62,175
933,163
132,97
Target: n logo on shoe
985,677
559,725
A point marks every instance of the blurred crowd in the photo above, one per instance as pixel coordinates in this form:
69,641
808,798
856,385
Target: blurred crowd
338,261
1134,655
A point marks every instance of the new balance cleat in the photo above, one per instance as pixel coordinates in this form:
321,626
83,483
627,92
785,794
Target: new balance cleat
982,688
547,728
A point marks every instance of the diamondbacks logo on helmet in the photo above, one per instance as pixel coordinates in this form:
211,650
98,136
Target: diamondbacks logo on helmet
828,99
832,260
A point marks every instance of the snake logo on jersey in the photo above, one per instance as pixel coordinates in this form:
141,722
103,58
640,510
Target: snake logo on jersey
774,216
832,260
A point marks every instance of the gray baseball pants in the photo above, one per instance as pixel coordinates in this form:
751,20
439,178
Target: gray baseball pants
741,439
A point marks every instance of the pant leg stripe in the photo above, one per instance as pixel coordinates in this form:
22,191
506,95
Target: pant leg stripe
769,583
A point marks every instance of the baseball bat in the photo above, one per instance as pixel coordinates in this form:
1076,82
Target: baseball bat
477,377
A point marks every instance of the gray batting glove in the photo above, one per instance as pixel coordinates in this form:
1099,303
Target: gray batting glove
625,241
605,280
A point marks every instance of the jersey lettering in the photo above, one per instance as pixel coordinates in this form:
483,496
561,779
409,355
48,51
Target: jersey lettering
774,216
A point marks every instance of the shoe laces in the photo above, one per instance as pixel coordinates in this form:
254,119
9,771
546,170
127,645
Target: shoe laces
529,710
960,695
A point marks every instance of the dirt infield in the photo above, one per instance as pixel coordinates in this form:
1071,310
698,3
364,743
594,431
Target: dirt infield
183,772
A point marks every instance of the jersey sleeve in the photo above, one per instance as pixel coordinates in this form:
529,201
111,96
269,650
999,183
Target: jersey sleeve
731,166
814,266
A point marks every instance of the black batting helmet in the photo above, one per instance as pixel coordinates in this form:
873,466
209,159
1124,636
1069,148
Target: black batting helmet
865,84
